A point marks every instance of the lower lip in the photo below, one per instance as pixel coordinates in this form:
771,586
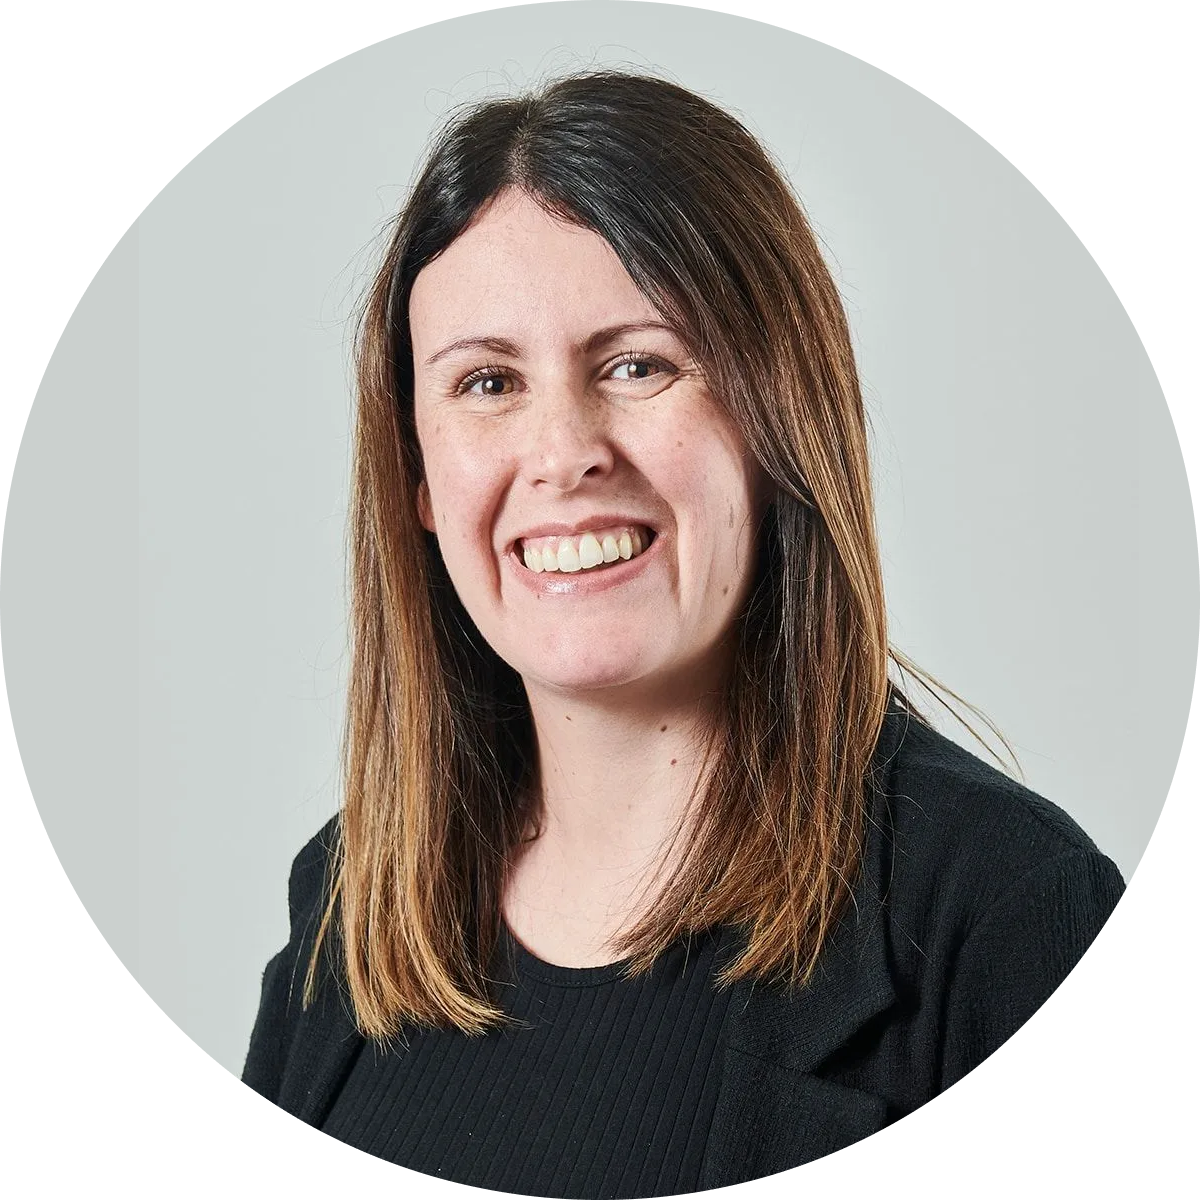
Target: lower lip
582,583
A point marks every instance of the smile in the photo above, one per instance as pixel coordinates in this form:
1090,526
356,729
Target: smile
591,550
583,581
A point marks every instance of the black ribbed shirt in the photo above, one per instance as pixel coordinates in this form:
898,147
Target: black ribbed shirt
605,1087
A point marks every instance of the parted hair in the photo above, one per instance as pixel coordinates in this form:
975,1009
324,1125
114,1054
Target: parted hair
439,766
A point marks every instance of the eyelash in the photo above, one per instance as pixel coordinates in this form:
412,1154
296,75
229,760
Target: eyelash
630,356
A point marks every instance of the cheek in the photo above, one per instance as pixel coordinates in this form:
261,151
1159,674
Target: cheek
465,483
715,498
715,486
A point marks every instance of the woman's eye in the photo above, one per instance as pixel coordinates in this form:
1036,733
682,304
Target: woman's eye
492,383
639,368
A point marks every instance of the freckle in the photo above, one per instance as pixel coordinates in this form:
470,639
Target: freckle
674,761
678,445
725,590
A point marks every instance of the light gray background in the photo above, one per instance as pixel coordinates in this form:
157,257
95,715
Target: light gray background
172,587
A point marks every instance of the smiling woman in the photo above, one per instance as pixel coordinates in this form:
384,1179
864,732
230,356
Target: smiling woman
599,434
648,878
567,464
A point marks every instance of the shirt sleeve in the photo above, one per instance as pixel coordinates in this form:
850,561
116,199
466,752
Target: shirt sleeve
1020,950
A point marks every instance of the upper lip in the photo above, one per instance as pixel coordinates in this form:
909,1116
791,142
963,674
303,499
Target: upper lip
574,528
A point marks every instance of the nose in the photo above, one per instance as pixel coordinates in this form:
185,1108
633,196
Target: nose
568,442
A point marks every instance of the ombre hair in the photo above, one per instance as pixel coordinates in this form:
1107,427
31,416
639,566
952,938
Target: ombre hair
438,754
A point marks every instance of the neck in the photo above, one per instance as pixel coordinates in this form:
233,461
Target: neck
617,776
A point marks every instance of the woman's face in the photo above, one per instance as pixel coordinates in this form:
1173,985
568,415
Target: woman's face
563,428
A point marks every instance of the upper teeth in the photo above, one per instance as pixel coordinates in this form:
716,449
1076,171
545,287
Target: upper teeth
583,551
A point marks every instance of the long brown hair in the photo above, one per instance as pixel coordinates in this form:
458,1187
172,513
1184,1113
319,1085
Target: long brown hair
438,748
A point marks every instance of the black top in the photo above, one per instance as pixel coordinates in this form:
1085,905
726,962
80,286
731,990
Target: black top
976,898
604,1086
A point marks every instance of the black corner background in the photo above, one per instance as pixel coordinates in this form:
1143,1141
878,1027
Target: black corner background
109,114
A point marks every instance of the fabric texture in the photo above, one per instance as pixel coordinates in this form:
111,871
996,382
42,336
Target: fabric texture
602,1086
977,897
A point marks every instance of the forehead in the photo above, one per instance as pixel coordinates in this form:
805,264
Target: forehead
516,268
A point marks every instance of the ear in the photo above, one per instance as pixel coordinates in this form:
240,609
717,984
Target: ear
425,507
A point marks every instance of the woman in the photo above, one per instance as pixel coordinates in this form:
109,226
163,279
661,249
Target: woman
647,878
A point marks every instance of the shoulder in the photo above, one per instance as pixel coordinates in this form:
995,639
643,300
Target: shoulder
989,894
310,877
280,1004
933,772
962,840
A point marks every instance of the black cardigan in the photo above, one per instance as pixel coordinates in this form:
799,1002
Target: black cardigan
977,897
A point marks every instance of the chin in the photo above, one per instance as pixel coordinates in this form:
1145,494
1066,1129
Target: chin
581,671
584,680
579,653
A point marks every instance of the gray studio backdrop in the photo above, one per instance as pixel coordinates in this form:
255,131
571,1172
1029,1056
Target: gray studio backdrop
173,598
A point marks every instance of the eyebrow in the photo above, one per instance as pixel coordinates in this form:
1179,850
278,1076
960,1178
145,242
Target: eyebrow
505,346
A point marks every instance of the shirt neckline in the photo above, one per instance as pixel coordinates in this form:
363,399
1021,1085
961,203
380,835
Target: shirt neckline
529,965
